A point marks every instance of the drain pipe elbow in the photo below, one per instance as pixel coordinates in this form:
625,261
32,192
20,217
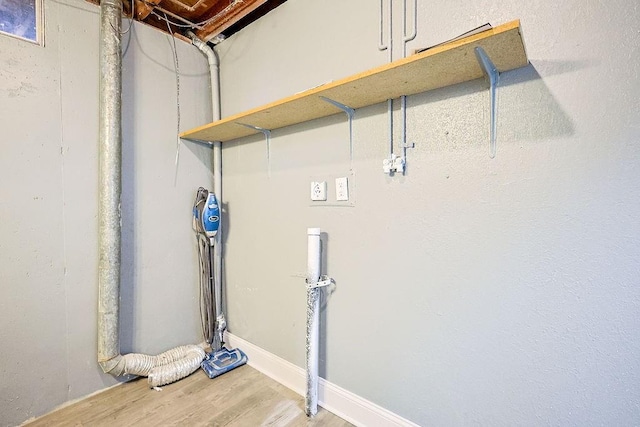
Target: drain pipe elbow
205,48
214,71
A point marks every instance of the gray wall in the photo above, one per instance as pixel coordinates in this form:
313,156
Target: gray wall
471,290
48,206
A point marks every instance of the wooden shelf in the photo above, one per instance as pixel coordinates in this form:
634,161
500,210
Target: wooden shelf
441,66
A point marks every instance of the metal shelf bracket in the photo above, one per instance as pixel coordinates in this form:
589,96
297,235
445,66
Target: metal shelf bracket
350,114
267,136
493,75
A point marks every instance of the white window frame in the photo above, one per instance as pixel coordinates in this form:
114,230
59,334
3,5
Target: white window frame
39,9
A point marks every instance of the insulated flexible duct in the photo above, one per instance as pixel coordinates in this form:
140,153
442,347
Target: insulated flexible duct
173,364
162,369
110,159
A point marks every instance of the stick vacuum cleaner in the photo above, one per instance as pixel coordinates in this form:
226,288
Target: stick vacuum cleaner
206,222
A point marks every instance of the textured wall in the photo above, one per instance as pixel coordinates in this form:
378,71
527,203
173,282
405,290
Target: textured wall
471,290
48,206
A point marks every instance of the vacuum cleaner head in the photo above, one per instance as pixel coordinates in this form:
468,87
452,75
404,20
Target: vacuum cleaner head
222,361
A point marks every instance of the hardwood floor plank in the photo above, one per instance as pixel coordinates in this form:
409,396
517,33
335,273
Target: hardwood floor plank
240,398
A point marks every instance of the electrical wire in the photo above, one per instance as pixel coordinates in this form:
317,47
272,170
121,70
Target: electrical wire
200,294
177,69
129,30
207,314
175,24
133,16
133,7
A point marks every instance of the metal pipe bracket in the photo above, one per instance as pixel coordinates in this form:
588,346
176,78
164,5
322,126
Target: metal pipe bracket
324,281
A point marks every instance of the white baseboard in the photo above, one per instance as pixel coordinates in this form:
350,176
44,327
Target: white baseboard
333,398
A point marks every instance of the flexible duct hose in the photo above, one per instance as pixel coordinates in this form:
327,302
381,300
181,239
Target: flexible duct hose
178,368
174,364
162,369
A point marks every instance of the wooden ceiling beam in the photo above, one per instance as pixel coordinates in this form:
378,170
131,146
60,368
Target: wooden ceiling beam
199,9
219,15
143,9
227,17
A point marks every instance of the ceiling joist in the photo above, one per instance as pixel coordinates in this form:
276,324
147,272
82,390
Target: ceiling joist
206,18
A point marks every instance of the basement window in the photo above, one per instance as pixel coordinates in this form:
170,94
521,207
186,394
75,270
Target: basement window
22,19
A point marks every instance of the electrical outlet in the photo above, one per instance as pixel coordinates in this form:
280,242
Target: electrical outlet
318,190
342,189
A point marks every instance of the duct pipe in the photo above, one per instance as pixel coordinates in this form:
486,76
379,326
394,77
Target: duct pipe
313,319
173,364
110,159
214,73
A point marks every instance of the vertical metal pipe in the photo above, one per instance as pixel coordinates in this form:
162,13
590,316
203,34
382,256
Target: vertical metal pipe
381,44
313,320
221,322
110,173
214,73
405,39
408,37
390,31
389,47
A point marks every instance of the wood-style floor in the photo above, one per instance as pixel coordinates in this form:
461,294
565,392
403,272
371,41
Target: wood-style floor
242,397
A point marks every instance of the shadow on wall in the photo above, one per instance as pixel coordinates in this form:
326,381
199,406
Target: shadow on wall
325,295
226,227
134,53
202,150
527,110
128,200
531,111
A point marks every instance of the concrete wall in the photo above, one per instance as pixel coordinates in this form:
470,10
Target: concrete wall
48,206
471,290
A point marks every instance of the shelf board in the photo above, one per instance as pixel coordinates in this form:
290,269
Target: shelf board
440,66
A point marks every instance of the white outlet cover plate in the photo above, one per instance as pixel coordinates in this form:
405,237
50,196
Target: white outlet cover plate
342,189
318,190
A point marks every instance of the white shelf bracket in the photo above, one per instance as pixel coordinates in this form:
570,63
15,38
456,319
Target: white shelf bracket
492,74
350,112
267,137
